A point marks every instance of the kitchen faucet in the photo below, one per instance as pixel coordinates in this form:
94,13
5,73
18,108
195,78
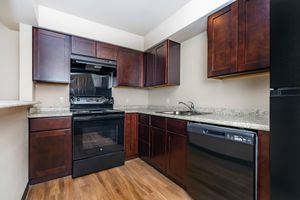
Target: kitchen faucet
191,107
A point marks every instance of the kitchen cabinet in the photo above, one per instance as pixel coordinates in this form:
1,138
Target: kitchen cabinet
254,35
162,64
177,147
238,39
107,51
159,148
168,145
263,182
222,41
129,68
131,135
177,144
50,148
144,137
82,46
51,56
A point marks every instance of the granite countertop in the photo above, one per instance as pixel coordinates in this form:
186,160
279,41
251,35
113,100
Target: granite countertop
15,103
255,120
248,120
49,112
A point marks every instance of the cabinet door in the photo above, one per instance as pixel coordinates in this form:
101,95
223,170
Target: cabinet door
149,69
254,34
130,68
50,153
222,41
51,56
106,51
263,182
131,135
82,46
159,145
160,66
144,142
177,145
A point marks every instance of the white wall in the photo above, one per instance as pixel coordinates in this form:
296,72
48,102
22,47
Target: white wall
9,63
13,153
59,21
52,95
57,95
241,93
25,63
130,96
188,14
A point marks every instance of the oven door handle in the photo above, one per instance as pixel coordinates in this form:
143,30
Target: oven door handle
102,117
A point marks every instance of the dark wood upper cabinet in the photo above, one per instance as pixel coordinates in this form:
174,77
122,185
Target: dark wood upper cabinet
131,135
129,68
107,51
162,64
50,151
149,68
254,35
222,41
239,39
51,56
82,46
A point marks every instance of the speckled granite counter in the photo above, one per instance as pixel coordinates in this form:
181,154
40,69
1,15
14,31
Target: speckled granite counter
15,103
49,112
255,120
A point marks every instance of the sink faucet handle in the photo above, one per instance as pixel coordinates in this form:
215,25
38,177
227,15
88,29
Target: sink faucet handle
192,104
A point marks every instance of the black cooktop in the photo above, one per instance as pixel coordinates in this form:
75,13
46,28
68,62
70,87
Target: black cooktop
96,111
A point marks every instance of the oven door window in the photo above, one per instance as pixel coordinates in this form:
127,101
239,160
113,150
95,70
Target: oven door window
97,137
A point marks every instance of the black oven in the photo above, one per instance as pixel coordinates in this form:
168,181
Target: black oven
98,142
97,135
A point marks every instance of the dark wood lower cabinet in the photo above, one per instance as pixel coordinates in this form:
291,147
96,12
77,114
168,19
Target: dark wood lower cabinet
177,145
163,145
159,148
263,182
144,142
50,152
131,135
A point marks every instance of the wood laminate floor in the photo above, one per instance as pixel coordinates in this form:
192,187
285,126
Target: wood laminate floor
134,181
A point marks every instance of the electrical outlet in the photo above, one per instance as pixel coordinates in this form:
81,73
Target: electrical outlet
127,100
61,100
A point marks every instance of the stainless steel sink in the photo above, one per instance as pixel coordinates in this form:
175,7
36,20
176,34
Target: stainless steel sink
183,113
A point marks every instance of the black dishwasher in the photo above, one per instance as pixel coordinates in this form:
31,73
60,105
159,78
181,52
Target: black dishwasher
222,163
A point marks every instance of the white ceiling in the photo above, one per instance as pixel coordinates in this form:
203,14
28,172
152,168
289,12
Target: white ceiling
135,16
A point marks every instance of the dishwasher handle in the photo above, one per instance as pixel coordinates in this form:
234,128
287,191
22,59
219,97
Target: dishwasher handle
236,135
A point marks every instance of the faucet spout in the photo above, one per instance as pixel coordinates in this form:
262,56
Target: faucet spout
190,107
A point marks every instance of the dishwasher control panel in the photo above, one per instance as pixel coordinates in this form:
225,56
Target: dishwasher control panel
239,138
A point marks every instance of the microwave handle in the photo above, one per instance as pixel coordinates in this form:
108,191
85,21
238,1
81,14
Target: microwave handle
97,117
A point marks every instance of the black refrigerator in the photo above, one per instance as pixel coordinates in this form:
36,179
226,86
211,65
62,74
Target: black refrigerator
285,99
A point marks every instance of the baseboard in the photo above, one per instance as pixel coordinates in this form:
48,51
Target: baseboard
25,191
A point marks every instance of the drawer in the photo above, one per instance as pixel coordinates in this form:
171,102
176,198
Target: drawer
52,123
159,122
144,119
177,126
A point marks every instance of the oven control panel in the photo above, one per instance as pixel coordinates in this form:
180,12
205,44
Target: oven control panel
92,100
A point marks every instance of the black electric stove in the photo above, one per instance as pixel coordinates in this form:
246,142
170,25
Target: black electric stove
98,136
98,129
